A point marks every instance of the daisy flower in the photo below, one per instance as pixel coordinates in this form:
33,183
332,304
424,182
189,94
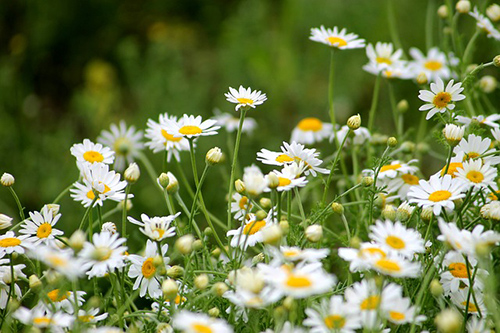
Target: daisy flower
438,193
99,180
90,153
104,254
397,238
482,120
246,299
231,123
399,70
401,184
477,238
161,140
254,180
456,275
360,135
7,282
145,272
477,325
239,206
191,127
91,315
491,211
294,253
61,260
40,228
383,55
451,235
43,318
251,233
289,177
335,38
245,97
360,259
395,168
475,146
311,130
485,24
191,322
440,98
156,228
476,305
476,174
63,300
332,315
10,243
396,266
434,65
126,143
400,311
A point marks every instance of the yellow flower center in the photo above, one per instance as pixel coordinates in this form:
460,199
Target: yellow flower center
170,137
472,306
148,269
441,100
298,281
245,100
336,41
383,60
370,303
397,316
452,169
57,295
334,321
86,318
290,253
284,158
475,176
243,202
410,179
310,124
93,156
254,301
122,146
388,265
494,195
471,155
458,270
102,253
190,130
160,231
440,195
201,328
44,230
390,167
433,65
42,321
9,242
372,251
91,195
284,181
395,242
57,261
253,227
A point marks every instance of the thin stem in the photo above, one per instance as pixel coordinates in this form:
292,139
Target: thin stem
18,202
329,179
373,108
429,25
398,118
193,206
469,49
124,213
346,225
87,212
61,195
301,207
331,82
448,159
391,16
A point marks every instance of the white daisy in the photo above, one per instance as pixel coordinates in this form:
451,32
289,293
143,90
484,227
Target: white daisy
251,233
295,253
400,311
61,260
191,127
91,315
145,272
395,168
90,153
396,266
7,282
311,130
246,98
455,274
440,98
10,243
289,177
359,137
42,318
477,325
244,298
105,253
476,174
459,298
475,146
485,24
383,55
400,70
161,140
156,228
360,259
434,65
333,315
482,120
335,38
401,184
477,238
40,227
63,300
451,235
239,206
491,210
438,193
126,143
254,180
191,322
397,238
231,123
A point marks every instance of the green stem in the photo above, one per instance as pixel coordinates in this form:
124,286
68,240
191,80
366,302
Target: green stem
448,160
301,207
124,213
59,197
429,25
391,16
469,49
87,212
18,202
191,222
329,179
331,82
398,118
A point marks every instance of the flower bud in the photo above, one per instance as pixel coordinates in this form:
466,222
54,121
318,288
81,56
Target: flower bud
423,147
258,258
314,233
453,134
355,242
239,186
403,106
389,212
483,249
408,147
273,180
443,11
338,208
128,205
132,173
379,201
158,261
201,281
404,212
35,283
7,180
496,61
367,181
109,227
354,122
422,78
265,202
448,321
163,180
216,252
208,231
214,156
488,84
493,12
5,221
77,240
436,288
285,226
54,209
170,289
392,142
272,235
175,271
426,214
463,6
214,312
185,244
260,215
53,277
219,288
164,328
289,303
197,245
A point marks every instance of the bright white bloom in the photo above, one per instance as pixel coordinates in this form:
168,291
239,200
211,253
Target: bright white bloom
361,135
383,56
191,127
126,143
475,146
254,180
476,174
401,184
245,97
251,233
311,130
161,139
156,228
90,153
191,322
477,325
397,238
40,227
396,265
438,193
145,272
335,38
459,298
400,311
42,318
485,24
491,211
61,260
477,238
453,133
454,237
399,70
91,316
7,282
63,300
239,206
244,298
455,274
434,65
231,123
395,168
360,259
439,98
105,253
330,316
289,177
294,253
482,120
5,221
10,243
97,179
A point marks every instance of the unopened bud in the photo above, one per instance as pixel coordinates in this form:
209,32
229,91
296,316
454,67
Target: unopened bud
493,12
314,233
289,303
354,122
422,78
408,147
436,288
285,226
35,283
403,106
272,235
443,11
216,252
128,205
132,173
5,221
173,184
163,180
258,258
7,180
355,242
109,227
197,245
273,180
158,261
427,214
423,147
380,199
175,271
219,288
214,156
214,312
77,240
496,61
338,208
488,84
239,186
201,281
463,6
392,142
389,212
265,202
453,134
170,289
208,231
367,181
449,321
185,244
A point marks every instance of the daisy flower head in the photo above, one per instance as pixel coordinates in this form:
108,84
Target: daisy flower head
295,253
254,180
43,318
90,153
400,311
63,300
289,177
311,130
452,235
104,254
91,315
191,127
491,211
10,243
475,146
438,192
239,205
399,70
359,136
434,65
475,305
478,238
396,266
440,98
485,24
477,325
490,120
61,260
332,315
245,98
360,259
395,168
476,174
145,272
456,274
160,139
191,322
335,38
401,184
244,298
251,232
156,228
383,55
125,141
40,227
397,238
231,123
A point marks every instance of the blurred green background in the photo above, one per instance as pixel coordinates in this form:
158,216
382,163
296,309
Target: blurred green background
68,69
